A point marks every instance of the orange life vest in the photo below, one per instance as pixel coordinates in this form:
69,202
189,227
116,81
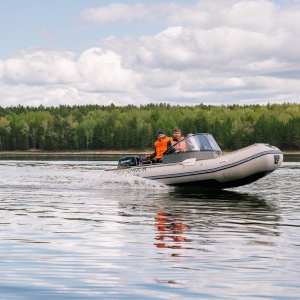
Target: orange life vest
181,146
160,147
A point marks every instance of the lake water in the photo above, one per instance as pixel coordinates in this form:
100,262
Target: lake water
70,230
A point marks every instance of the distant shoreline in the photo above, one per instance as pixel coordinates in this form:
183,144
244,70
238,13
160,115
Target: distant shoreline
83,152
96,152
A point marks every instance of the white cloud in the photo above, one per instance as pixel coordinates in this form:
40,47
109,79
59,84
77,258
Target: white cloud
40,66
47,33
115,12
102,71
52,78
211,52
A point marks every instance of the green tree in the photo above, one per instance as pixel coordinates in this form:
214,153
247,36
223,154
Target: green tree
4,130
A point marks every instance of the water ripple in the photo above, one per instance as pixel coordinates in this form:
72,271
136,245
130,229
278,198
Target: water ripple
69,230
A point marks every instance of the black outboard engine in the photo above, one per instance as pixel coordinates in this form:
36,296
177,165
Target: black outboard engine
128,161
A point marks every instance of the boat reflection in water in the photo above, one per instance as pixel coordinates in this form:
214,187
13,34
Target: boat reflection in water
170,229
189,219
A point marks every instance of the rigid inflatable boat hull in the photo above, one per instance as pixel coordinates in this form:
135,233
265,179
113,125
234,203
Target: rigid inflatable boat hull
233,169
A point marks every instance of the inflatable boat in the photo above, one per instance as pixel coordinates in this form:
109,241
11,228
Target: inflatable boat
198,161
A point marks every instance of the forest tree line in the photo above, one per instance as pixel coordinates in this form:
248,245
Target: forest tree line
95,127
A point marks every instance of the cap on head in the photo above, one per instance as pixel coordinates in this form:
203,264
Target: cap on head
160,132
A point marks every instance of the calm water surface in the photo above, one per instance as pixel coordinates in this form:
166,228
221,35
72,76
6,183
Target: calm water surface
70,230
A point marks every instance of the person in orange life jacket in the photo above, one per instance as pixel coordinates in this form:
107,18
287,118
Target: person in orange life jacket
176,137
161,145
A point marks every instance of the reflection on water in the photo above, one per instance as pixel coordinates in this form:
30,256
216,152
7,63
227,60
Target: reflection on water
170,228
212,215
71,230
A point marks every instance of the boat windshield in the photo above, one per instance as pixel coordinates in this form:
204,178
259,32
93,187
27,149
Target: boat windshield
196,142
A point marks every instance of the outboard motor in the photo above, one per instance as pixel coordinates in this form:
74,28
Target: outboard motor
128,161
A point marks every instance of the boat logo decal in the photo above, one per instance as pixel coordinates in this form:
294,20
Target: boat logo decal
276,159
130,170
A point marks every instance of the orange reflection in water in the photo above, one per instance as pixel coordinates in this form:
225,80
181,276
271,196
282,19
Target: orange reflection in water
170,231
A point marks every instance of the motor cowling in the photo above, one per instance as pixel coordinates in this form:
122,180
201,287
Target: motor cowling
128,161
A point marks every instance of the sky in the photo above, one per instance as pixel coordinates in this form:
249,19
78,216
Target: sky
215,52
